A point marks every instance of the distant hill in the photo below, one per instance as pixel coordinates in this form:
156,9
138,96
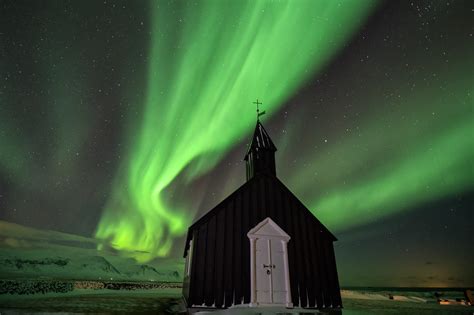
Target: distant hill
41,254
149,272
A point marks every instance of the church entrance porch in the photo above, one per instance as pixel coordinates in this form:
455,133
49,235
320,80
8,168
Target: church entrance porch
269,275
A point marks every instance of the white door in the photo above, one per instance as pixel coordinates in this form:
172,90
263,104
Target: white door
264,274
278,272
270,282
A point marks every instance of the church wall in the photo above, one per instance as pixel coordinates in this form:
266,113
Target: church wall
199,280
229,255
326,293
220,271
337,301
237,248
246,226
209,267
220,268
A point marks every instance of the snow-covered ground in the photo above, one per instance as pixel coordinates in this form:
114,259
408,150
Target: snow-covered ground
418,296
388,302
153,301
168,301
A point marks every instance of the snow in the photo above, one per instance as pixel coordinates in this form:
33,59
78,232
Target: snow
27,253
169,301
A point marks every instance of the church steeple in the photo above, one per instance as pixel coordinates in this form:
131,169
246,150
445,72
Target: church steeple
260,157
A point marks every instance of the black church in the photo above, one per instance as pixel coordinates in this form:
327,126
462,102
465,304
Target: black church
260,246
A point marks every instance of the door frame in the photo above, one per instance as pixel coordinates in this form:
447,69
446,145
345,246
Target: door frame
254,234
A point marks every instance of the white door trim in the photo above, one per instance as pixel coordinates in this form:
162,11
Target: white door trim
277,234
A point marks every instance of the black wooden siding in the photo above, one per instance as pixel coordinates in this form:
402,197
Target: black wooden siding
220,270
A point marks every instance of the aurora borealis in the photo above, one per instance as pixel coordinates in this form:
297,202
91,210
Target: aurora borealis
204,81
126,121
432,168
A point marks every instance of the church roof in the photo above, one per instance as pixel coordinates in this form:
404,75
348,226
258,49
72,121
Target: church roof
260,197
260,140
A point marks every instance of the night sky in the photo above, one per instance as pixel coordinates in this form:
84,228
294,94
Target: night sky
127,120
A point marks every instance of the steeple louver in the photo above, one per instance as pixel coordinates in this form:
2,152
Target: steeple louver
260,157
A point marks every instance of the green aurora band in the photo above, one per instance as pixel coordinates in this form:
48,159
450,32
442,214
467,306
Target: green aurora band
402,156
436,170
207,62
65,117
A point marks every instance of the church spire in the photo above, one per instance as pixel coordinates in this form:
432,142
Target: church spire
260,157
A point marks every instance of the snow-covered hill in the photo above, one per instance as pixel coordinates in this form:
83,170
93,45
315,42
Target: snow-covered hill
39,254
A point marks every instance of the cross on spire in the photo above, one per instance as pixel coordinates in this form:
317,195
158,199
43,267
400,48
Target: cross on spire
258,110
